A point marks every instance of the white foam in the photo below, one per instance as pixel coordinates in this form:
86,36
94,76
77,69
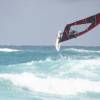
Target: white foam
87,68
51,85
47,60
82,50
7,50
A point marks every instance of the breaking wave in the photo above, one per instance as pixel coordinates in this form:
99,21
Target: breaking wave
8,50
52,85
36,73
82,50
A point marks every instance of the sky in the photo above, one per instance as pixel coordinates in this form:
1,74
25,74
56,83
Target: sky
36,22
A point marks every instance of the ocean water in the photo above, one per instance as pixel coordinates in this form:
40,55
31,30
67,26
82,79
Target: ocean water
42,73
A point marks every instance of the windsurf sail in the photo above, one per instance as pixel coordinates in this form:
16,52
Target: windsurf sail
78,28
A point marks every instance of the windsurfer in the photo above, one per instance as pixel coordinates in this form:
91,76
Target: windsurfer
60,34
72,34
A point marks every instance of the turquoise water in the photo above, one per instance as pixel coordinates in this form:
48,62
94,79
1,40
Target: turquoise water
42,73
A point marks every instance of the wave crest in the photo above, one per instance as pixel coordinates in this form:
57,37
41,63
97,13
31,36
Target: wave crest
82,50
8,50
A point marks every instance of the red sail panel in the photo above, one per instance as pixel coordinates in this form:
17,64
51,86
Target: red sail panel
92,20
